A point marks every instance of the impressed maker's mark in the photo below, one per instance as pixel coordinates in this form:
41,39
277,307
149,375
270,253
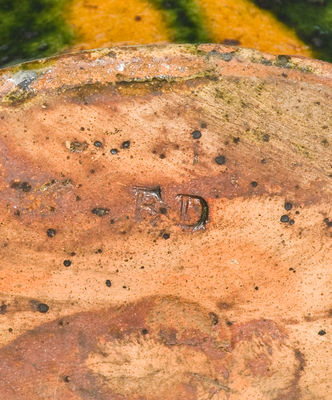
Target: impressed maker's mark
192,211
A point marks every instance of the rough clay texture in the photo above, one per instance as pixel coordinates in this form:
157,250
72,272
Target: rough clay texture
142,261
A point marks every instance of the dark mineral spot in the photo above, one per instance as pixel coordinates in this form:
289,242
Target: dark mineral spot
42,308
284,218
97,143
125,145
327,222
322,332
51,232
283,61
67,263
220,160
163,210
291,222
214,318
3,308
288,206
229,323
256,287
108,283
66,379
166,236
236,140
203,125
144,331
138,18
114,151
254,184
325,143
162,156
100,211
23,186
266,137
196,134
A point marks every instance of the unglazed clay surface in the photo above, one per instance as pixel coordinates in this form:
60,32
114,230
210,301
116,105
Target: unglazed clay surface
166,226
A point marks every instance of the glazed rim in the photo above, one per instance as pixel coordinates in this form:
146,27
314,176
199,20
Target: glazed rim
163,62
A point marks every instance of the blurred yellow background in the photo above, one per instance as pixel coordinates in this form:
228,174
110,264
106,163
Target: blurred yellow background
101,23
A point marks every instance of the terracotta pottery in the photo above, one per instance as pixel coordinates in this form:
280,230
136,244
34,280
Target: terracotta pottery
166,226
